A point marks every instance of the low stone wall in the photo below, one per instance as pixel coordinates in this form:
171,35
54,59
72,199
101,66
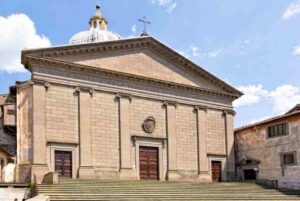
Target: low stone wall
50,178
289,184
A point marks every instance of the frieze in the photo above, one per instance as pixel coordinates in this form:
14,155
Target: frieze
124,83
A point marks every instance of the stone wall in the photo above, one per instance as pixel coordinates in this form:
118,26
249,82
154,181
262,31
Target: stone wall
186,138
105,130
61,114
24,124
255,144
140,109
215,128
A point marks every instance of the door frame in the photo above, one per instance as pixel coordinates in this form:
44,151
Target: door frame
218,162
156,148
218,158
71,161
151,142
73,148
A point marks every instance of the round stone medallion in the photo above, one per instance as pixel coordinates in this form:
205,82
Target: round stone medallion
149,124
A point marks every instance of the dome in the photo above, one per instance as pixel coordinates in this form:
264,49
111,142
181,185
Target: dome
93,36
98,31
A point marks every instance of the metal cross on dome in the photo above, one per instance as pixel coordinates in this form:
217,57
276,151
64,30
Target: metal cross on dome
145,22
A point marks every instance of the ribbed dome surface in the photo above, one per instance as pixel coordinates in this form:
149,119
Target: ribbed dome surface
93,36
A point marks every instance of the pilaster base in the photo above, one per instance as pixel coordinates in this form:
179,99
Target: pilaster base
39,170
173,175
23,173
204,177
86,172
127,174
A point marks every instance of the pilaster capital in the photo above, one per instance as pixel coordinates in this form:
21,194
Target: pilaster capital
77,90
84,89
91,91
30,82
47,85
170,103
124,95
229,112
200,107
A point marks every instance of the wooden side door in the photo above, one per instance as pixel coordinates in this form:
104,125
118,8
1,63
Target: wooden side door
63,163
149,163
216,171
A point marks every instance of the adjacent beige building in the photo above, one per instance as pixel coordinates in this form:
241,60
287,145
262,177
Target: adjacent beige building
270,150
110,108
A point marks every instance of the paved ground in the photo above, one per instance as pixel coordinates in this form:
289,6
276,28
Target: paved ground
155,190
10,194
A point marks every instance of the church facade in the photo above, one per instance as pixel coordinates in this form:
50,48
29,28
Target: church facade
110,108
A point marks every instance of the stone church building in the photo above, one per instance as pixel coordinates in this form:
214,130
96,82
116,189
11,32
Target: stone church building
105,107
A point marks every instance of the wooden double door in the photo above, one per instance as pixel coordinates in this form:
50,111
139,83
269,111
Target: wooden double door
216,171
63,163
149,163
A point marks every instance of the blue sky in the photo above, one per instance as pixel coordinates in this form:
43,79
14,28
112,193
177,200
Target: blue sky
250,44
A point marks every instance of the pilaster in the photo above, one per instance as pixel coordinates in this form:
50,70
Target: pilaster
85,169
126,171
171,137
230,163
39,166
202,148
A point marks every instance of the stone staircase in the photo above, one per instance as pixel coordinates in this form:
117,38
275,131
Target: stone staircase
155,190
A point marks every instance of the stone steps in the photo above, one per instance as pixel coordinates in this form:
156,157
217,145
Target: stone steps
155,190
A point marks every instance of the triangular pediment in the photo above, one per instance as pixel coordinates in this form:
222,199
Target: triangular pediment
142,62
143,57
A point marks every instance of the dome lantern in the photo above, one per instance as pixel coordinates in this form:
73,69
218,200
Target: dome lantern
98,21
98,31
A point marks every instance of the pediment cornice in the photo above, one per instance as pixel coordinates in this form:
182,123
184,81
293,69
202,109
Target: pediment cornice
125,44
49,62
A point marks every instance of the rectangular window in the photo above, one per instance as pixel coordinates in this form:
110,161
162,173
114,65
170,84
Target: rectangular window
288,158
278,130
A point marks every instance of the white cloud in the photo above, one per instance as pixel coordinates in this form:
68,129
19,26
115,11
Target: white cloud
133,28
169,5
282,98
193,52
297,50
293,9
17,32
252,95
260,119
214,53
